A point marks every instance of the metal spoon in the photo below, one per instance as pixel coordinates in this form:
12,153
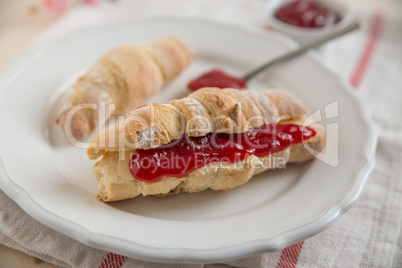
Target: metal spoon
240,82
289,55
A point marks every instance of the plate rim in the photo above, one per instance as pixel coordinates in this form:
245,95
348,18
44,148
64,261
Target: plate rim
182,255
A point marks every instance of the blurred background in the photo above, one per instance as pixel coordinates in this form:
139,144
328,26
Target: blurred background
21,21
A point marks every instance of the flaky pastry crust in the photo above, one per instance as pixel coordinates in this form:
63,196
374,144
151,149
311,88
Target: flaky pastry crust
204,111
124,77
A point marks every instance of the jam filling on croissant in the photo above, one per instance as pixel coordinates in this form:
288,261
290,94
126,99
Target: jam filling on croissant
179,157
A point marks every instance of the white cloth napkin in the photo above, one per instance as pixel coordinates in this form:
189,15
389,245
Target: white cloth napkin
366,236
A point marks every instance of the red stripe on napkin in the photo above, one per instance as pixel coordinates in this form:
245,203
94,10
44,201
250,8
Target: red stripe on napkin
290,255
112,260
374,32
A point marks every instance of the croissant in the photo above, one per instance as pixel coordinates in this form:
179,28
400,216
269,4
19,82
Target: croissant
121,80
204,113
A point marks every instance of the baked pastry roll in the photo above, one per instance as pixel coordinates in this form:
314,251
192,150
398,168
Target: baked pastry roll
236,133
124,77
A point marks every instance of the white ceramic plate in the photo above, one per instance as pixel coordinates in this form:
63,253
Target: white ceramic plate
52,181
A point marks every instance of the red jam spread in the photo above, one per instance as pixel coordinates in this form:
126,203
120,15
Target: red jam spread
306,13
181,156
217,78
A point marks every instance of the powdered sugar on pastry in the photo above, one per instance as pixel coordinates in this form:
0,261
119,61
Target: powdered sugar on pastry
153,125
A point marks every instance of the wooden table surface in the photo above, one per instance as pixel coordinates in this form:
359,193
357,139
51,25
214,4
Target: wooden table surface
23,20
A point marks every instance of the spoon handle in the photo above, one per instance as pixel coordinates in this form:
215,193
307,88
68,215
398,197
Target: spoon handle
302,49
